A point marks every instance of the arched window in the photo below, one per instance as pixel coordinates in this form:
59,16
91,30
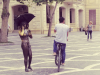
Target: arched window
92,16
72,15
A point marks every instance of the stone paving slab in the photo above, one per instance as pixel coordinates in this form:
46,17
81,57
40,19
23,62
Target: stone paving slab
82,56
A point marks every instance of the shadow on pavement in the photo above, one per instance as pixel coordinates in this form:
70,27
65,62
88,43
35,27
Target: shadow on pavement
45,71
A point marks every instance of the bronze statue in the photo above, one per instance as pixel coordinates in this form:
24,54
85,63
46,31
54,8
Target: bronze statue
24,34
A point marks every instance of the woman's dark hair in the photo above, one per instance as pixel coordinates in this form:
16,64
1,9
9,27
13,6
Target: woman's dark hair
23,24
61,19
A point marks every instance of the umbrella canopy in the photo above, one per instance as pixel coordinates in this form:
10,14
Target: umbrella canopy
27,17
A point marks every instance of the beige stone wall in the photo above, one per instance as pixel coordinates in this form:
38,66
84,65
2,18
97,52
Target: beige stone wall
93,4
39,24
76,6
66,14
36,24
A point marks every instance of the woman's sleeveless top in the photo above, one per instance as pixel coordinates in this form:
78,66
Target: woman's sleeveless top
25,37
90,27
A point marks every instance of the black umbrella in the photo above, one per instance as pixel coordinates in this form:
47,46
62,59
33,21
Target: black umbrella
27,17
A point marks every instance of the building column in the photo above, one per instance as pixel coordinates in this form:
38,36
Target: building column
43,19
84,18
76,18
57,15
97,19
11,18
68,15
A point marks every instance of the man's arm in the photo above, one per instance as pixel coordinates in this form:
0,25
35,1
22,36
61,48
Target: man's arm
67,34
55,29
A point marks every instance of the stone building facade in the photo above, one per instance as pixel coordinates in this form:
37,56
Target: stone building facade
93,13
77,14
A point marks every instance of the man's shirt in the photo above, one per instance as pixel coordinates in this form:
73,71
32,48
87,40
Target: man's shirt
61,33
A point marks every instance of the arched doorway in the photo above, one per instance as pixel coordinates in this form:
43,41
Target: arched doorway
17,10
80,18
72,15
62,12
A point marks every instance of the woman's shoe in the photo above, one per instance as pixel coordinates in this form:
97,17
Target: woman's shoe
30,68
26,70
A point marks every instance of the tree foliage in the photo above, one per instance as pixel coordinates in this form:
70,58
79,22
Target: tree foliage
39,2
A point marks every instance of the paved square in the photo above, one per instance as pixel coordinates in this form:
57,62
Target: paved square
82,56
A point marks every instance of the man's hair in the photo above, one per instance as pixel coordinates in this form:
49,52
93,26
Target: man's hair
61,19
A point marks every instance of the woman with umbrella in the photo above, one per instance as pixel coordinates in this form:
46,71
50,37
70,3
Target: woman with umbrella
24,34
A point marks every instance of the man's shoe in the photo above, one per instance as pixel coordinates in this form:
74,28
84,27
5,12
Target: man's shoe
54,54
63,64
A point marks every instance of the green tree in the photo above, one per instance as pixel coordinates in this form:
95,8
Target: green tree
4,16
47,2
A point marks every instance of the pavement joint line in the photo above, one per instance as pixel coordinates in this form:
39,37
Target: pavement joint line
76,54
88,52
45,59
95,54
91,66
10,53
12,69
71,58
41,55
55,67
72,71
41,63
83,60
12,59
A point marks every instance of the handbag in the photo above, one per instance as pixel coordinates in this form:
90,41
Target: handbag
85,32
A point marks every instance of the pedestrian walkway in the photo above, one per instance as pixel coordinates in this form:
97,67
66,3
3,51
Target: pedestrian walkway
82,56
